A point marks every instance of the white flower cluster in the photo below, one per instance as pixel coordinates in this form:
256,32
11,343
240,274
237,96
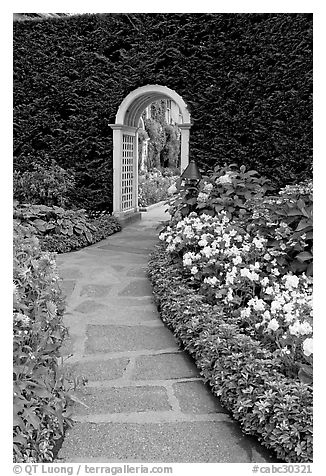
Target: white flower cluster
22,319
202,197
217,242
227,178
287,307
204,194
223,258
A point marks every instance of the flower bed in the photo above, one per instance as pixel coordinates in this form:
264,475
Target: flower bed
153,187
62,230
246,375
237,272
41,389
238,266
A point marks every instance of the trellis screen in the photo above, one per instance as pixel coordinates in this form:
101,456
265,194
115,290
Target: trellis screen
127,172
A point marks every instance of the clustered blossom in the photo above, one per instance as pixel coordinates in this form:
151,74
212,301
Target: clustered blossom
307,347
227,178
204,194
300,189
22,319
229,264
286,308
202,197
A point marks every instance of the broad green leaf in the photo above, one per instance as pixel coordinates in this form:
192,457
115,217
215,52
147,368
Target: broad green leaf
88,236
50,226
305,374
19,439
304,256
303,224
309,271
32,418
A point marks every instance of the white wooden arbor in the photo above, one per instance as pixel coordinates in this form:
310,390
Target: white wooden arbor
125,143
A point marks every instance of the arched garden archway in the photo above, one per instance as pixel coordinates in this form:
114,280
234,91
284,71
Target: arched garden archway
125,143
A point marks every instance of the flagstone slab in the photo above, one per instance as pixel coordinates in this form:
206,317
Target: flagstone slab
164,366
96,290
144,302
126,249
195,397
67,273
127,338
90,306
137,273
118,267
123,315
68,287
186,442
102,276
122,400
137,288
110,369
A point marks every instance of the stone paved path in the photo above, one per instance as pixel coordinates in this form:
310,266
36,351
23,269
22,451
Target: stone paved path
146,401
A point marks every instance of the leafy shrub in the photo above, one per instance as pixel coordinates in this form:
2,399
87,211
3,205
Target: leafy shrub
45,220
170,172
41,389
171,150
105,225
155,128
245,375
153,187
228,188
286,222
65,230
44,185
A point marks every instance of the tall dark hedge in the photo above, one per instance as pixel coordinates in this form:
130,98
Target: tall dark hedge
247,80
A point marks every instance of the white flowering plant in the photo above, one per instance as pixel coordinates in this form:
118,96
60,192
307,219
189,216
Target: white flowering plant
228,188
286,221
250,380
281,317
220,257
236,270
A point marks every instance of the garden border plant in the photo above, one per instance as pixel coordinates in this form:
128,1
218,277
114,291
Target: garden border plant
43,389
233,279
62,230
241,372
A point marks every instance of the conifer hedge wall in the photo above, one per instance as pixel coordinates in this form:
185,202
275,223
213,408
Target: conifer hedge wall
247,80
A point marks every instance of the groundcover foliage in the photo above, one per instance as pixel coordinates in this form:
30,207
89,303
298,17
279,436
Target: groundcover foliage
246,78
63,230
246,376
41,388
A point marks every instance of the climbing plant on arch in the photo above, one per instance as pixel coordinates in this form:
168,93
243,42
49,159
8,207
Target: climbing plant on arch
245,78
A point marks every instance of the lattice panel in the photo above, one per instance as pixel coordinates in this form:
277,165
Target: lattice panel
127,172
